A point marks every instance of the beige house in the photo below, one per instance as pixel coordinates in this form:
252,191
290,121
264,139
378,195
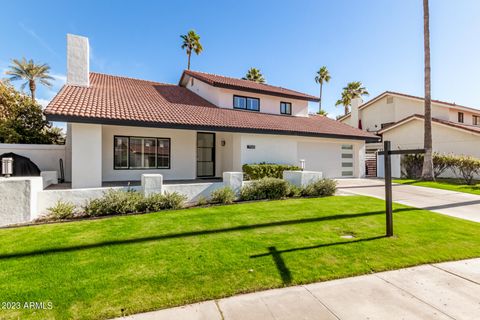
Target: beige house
399,118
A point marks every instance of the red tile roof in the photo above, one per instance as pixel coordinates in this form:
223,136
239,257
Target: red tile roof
466,127
126,101
245,85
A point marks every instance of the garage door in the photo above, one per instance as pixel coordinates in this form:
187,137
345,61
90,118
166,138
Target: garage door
333,159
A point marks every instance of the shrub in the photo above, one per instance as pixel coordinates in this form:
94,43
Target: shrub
223,195
266,188
412,164
116,202
202,201
61,210
158,201
266,170
293,191
320,188
468,167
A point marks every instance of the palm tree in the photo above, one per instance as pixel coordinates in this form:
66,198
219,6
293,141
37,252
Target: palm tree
254,74
191,42
30,72
427,171
351,91
355,90
345,101
322,76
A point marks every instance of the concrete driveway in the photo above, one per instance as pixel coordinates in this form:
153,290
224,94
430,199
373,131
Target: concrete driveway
440,291
455,204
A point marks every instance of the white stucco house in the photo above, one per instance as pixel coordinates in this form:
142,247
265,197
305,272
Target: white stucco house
398,117
120,128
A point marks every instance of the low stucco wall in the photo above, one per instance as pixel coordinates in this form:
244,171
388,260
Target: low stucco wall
193,191
18,199
78,197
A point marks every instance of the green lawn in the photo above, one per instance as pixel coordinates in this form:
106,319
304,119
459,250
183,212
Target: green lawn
445,184
95,269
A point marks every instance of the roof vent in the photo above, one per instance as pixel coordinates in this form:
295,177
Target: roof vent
389,100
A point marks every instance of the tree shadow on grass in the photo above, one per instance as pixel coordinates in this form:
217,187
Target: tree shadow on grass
282,268
192,234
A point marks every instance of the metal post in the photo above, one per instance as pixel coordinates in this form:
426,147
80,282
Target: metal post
388,187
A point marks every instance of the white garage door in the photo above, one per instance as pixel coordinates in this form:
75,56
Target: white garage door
333,159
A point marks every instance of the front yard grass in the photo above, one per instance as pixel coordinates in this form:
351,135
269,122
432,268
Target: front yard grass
102,268
445,184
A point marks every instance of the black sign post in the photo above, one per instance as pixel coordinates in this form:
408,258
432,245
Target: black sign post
387,160
388,188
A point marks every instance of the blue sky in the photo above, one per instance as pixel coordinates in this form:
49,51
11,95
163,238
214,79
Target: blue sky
377,42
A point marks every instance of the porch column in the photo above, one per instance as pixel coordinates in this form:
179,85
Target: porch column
86,155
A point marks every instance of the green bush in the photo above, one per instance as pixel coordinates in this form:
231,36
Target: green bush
61,210
266,170
412,164
320,188
202,201
116,202
157,201
265,188
223,195
468,167
293,191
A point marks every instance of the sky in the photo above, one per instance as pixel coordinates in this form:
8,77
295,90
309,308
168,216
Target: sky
377,42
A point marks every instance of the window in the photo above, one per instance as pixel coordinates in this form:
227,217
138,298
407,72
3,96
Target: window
285,108
476,120
347,160
246,103
460,117
141,153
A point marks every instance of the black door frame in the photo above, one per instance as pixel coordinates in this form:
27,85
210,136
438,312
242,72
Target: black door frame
214,151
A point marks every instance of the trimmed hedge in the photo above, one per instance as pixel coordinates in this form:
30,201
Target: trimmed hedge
465,166
266,170
266,188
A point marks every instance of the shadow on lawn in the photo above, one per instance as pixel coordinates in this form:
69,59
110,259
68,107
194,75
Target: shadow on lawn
194,233
282,268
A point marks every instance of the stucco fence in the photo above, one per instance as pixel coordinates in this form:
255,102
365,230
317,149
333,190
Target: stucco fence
24,199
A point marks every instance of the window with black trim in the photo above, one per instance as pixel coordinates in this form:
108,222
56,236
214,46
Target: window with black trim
476,120
141,153
460,117
285,108
246,103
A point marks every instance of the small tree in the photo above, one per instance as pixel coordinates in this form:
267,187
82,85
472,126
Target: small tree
468,167
22,121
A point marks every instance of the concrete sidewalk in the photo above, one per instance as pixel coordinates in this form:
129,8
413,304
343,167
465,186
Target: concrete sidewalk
455,204
439,291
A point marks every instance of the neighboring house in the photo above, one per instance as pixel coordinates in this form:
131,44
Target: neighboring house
120,128
399,118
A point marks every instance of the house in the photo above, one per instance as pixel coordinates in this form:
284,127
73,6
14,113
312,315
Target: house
398,117
120,128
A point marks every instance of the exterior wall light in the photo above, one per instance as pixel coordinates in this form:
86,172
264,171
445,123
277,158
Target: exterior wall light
302,164
223,141
7,167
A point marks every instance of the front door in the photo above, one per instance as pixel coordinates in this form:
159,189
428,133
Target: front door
205,155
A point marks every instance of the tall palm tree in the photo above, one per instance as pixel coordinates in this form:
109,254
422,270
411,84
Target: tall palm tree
353,90
344,101
30,72
427,171
191,43
254,74
322,76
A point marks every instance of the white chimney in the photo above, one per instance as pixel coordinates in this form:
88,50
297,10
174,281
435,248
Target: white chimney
354,112
78,65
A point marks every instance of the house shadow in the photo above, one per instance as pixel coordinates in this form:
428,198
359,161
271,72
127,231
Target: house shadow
281,266
187,234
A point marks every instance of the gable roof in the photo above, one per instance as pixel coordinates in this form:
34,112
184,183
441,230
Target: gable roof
465,127
125,101
403,95
245,85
